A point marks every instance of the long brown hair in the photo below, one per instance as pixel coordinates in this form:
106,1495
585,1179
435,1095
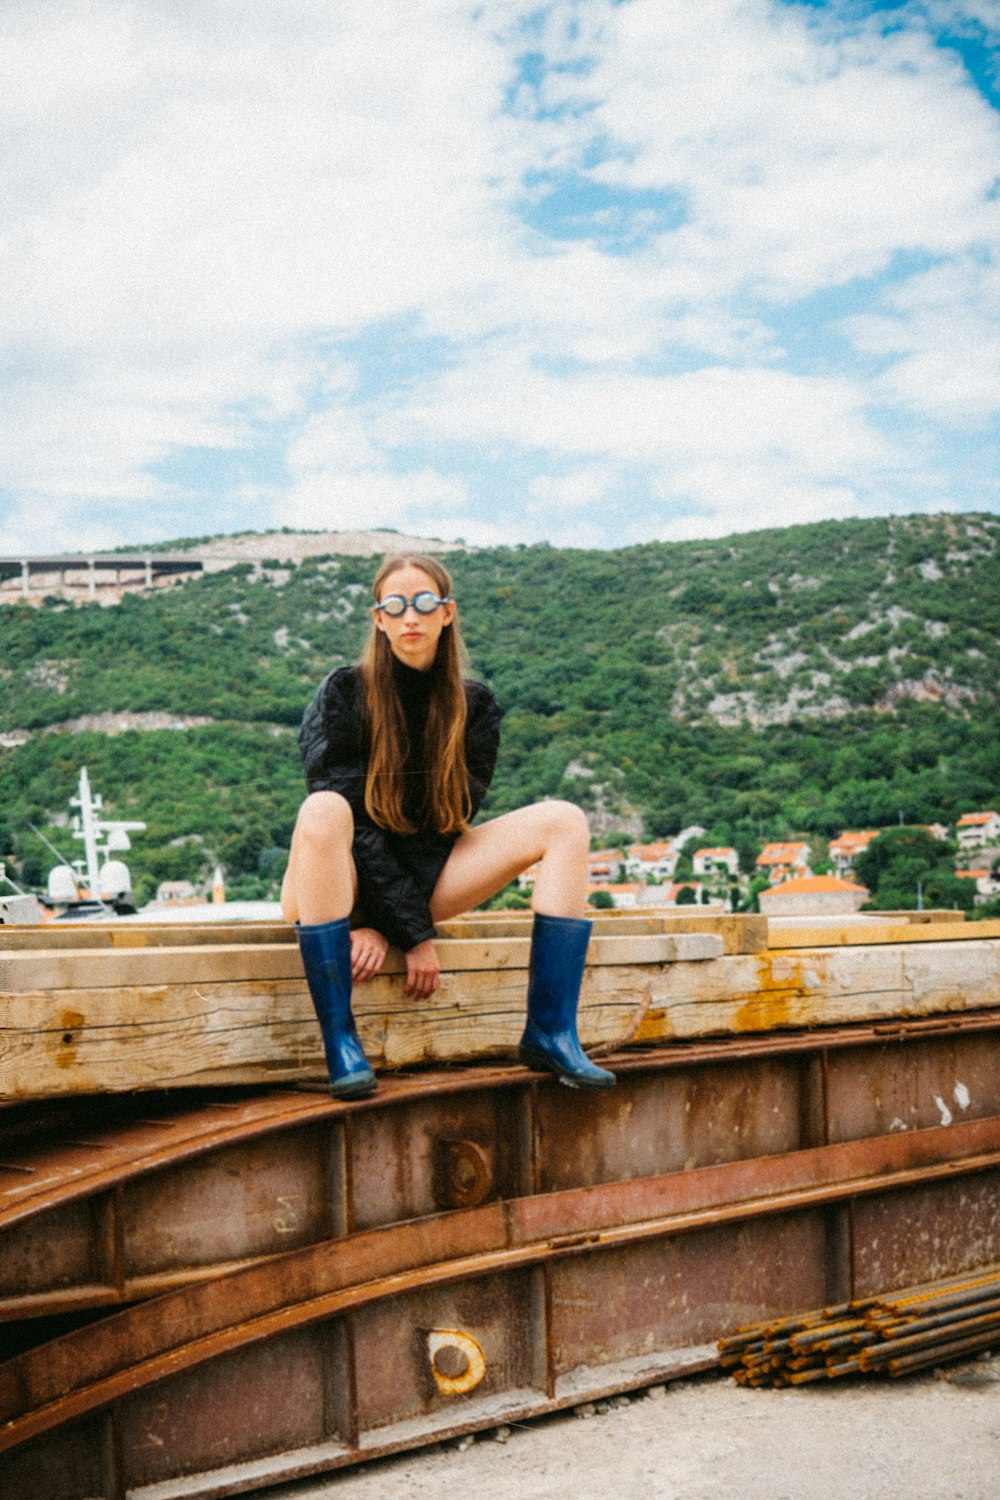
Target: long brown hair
447,803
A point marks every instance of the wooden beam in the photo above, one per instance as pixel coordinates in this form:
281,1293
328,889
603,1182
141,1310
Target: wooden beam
872,931
740,933
102,968
224,1026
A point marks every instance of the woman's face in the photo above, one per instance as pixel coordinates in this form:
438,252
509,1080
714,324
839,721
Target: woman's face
413,638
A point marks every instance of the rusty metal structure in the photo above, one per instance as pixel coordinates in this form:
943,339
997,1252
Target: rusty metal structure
206,1292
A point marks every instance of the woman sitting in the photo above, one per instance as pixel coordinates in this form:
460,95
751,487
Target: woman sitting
398,753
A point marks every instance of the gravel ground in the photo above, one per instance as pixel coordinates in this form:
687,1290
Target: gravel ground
929,1437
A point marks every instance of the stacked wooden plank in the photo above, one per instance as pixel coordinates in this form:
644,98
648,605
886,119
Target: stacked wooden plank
894,1335
119,1007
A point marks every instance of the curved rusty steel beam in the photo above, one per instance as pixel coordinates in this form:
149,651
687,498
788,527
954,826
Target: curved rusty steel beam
96,1366
114,1214
34,1178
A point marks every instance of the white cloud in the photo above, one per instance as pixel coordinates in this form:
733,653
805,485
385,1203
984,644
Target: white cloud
649,419
214,212
805,158
567,492
338,479
265,185
942,331
954,15
716,497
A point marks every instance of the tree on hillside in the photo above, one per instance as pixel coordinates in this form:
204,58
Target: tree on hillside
908,867
758,884
608,706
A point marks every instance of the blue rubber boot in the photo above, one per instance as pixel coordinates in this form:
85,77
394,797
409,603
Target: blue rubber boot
326,958
555,971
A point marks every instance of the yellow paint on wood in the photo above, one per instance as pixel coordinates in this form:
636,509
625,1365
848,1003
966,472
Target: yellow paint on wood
873,932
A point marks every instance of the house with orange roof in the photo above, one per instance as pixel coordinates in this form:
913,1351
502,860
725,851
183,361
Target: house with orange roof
651,861
987,885
715,861
624,893
977,829
845,849
782,861
813,896
603,867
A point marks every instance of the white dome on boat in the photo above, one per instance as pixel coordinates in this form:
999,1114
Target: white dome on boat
114,879
61,884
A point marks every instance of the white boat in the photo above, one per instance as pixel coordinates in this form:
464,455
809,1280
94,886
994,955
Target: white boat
99,884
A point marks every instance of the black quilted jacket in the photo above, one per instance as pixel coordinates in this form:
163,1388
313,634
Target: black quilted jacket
396,872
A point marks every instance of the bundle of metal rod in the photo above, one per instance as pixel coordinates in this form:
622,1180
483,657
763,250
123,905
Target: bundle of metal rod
895,1334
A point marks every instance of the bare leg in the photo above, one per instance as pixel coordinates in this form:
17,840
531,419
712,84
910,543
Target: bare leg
486,858
320,883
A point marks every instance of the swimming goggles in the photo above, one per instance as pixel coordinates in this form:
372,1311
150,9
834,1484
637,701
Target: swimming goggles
424,603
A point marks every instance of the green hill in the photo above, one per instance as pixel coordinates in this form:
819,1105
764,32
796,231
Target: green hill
801,680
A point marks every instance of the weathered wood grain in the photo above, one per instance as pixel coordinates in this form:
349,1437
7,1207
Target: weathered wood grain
72,970
239,1029
829,933
739,932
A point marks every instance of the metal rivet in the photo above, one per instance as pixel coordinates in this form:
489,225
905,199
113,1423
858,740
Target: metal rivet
463,1174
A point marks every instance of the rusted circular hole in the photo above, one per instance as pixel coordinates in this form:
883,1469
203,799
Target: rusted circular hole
451,1362
464,1175
67,1038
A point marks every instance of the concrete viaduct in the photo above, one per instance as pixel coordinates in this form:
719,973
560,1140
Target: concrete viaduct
78,573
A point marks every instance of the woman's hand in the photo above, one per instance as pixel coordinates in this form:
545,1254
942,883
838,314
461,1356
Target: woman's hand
423,969
368,950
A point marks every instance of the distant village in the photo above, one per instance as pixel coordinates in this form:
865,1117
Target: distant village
646,875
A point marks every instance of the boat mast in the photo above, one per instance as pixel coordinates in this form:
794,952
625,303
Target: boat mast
89,828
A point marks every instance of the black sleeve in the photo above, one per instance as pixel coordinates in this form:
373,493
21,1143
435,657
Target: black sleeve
482,740
331,742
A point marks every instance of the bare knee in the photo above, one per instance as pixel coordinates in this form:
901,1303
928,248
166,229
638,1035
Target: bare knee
325,821
567,822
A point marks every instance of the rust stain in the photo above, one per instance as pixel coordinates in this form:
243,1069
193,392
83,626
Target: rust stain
782,982
70,1021
763,1013
653,1027
783,970
457,1360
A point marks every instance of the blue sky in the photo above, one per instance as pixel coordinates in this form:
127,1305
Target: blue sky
594,272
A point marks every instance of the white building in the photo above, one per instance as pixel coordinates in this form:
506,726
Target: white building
716,861
976,830
815,895
651,861
784,861
845,849
603,866
987,886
